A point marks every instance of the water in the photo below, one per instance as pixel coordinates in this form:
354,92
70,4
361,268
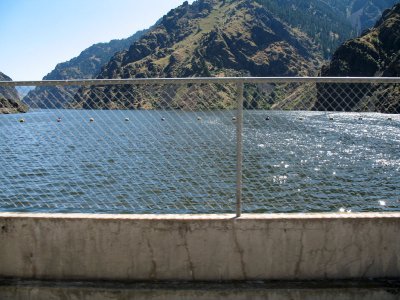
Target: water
184,162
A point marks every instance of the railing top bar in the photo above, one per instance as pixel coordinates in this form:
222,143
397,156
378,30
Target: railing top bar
145,81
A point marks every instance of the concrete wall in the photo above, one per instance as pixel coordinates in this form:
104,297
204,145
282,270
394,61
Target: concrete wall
199,247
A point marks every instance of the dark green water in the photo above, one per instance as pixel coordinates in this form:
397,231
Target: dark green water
294,162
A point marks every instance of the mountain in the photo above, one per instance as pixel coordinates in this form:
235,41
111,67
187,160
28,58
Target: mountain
375,53
329,22
207,38
325,21
24,90
85,66
363,14
318,26
9,99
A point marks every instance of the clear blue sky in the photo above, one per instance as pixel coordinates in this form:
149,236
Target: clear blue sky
35,35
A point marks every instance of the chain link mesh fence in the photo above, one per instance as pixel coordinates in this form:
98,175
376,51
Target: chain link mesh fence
171,146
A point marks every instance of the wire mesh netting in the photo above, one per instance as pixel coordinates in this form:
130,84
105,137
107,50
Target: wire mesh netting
322,147
171,147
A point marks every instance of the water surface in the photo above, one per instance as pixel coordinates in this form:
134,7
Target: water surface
184,162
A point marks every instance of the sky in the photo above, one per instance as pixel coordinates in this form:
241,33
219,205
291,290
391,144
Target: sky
36,35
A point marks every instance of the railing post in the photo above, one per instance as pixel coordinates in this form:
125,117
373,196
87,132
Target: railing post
239,148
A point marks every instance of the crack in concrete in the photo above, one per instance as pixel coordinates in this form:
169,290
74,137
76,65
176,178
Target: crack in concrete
300,259
325,252
241,252
368,268
186,245
153,270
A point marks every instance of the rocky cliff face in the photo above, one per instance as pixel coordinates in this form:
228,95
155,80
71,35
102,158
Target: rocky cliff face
372,54
375,53
363,14
85,66
215,38
329,22
207,38
9,99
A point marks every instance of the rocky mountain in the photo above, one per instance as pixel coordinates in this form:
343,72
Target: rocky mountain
375,53
207,38
324,20
215,38
85,66
329,22
363,14
9,99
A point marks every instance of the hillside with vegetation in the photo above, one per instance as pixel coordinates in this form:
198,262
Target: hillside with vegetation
208,38
9,99
329,22
375,53
214,38
326,22
85,66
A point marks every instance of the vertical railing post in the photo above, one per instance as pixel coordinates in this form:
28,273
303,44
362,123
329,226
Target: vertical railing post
239,148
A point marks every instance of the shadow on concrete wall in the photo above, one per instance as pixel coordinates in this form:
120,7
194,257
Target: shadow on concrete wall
344,290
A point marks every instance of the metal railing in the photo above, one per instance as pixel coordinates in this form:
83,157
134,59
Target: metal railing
202,145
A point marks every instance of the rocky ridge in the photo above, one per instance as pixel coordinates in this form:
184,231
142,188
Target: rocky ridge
363,14
85,66
9,99
376,53
208,38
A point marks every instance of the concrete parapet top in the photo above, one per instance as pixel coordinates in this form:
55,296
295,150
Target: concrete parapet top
208,217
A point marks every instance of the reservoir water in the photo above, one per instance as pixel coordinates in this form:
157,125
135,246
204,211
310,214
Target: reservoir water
185,162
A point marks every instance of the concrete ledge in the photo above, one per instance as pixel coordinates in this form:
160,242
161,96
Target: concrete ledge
331,290
199,247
